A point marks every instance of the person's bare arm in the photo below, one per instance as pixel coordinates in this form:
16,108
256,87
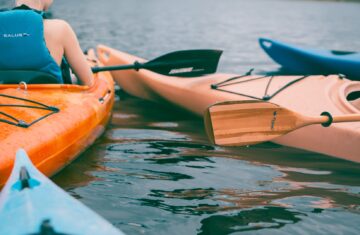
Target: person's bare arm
75,56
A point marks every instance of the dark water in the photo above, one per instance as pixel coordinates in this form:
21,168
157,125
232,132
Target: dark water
153,171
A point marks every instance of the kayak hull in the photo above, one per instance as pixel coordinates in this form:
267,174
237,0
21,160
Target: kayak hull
312,61
55,141
42,206
195,95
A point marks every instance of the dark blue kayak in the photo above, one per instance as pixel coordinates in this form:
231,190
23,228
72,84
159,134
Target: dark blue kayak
33,205
313,61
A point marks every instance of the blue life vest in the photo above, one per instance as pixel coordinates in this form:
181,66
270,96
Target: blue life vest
22,43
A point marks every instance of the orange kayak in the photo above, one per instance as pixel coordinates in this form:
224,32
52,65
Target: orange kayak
309,95
54,123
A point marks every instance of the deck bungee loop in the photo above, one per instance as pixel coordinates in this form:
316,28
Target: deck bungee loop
237,80
21,123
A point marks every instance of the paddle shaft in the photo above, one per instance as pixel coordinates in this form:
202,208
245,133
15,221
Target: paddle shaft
347,118
137,66
113,68
335,119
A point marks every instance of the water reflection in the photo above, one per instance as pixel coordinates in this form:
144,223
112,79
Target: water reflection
186,194
180,159
143,134
144,180
155,149
255,219
178,209
159,175
144,183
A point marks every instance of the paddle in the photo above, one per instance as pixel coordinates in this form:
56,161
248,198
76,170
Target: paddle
189,63
238,123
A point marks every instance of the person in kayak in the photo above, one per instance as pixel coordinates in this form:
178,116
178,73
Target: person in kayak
40,47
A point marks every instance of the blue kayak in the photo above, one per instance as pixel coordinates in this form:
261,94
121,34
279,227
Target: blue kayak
313,61
32,204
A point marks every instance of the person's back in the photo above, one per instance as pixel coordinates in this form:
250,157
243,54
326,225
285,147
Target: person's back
61,41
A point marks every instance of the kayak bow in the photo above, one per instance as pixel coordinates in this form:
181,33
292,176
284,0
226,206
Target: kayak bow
31,204
312,61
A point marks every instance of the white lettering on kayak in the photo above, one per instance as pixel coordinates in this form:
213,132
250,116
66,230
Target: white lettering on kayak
15,35
182,70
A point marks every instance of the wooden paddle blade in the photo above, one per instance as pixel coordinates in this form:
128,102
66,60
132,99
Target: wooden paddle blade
238,123
189,63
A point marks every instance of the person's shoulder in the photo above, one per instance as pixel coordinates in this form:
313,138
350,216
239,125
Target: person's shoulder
58,30
58,23
59,27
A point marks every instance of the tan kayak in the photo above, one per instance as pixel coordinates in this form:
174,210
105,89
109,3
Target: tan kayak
308,95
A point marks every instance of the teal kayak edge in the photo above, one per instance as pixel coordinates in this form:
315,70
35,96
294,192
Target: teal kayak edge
30,203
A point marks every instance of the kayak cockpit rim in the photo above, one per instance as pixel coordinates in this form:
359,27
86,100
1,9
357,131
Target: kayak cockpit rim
47,86
350,96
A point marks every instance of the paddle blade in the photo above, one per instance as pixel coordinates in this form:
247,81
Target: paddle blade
189,63
239,123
